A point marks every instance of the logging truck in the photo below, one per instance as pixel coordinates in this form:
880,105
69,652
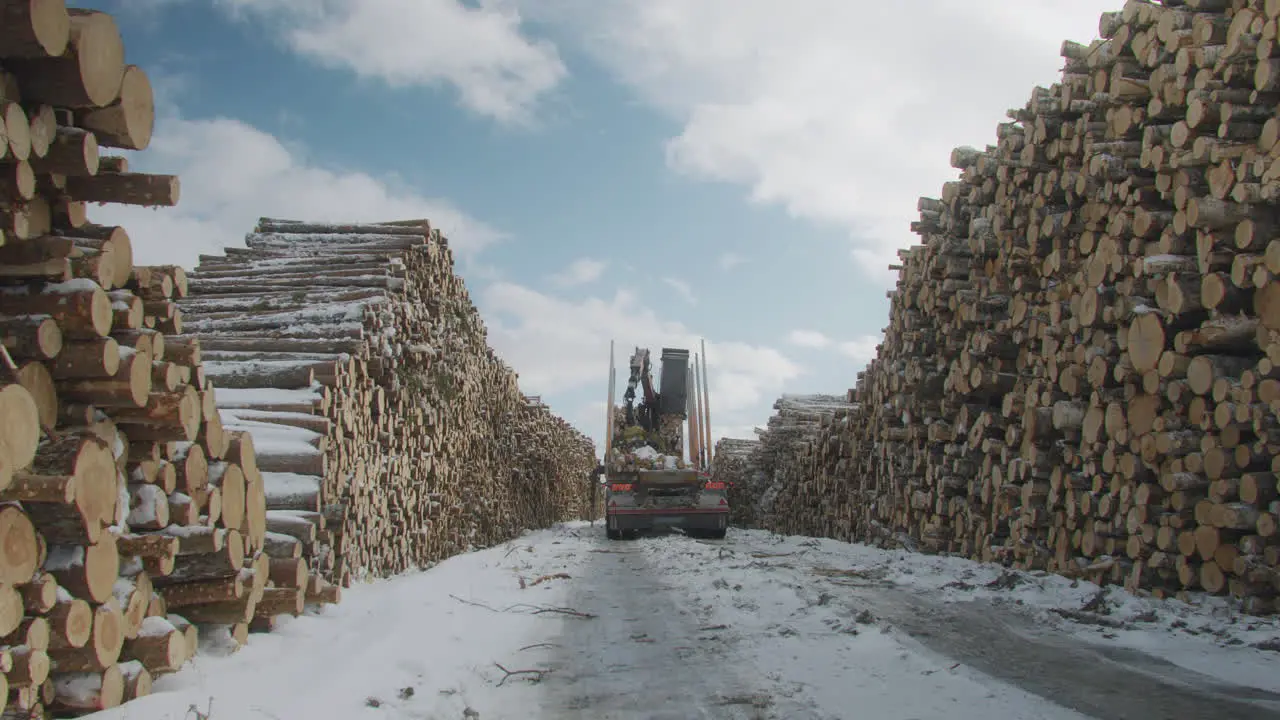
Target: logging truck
656,472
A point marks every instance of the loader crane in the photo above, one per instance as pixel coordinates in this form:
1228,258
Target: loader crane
656,470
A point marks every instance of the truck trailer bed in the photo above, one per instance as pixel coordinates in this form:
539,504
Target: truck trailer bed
650,500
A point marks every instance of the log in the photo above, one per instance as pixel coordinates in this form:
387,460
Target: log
73,152
86,571
126,188
103,647
86,74
20,416
19,548
70,489
80,307
35,337
129,120
86,692
160,647
34,29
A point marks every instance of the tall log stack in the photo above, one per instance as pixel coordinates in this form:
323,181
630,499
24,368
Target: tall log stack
758,470
1082,367
95,565
735,463
388,434
134,520
549,447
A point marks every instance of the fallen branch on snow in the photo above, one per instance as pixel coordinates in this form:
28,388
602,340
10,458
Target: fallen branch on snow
538,645
208,711
542,579
535,609
563,611
515,548
473,602
553,576
538,674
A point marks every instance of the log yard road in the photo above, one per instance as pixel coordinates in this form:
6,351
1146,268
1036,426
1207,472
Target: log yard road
562,623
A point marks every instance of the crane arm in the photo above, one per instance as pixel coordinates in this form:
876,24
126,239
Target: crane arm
646,383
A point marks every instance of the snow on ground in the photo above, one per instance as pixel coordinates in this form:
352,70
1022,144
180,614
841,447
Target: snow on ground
773,610
408,647
1206,638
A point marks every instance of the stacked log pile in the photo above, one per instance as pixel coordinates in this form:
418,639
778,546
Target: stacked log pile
548,458
388,434
1082,367
736,464
130,522
772,462
135,515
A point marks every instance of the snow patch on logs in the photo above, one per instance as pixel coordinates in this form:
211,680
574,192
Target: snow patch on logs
388,433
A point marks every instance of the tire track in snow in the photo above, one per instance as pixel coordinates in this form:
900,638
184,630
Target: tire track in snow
1004,641
647,654
1107,683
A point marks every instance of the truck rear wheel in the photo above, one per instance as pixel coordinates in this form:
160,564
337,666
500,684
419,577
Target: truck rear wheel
613,534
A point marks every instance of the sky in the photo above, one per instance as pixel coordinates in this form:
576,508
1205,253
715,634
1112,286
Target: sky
650,172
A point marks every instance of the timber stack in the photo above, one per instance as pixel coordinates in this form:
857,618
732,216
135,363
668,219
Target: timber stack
388,434
776,458
130,525
135,514
1081,372
735,463
551,451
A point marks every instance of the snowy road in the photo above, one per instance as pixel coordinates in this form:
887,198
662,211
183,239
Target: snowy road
651,652
756,626
1108,683
774,618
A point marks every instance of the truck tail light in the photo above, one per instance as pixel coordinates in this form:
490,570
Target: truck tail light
620,487
714,486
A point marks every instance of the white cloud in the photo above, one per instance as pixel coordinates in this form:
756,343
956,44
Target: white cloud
682,288
808,338
253,174
841,112
561,347
862,350
580,272
729,260
482,52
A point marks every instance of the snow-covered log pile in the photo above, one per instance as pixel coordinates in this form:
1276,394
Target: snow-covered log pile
1082,367
126,515
134,519
549,459
778,462
388,433
735,464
